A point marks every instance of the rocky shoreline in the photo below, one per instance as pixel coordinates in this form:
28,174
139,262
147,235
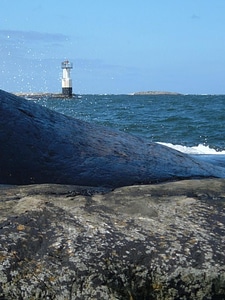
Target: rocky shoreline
80,217
55,148
42,95
161,242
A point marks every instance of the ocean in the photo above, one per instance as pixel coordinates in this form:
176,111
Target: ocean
194,124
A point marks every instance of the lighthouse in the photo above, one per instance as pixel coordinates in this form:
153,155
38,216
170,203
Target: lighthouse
66,80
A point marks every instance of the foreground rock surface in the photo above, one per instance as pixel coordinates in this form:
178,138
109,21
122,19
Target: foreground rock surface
38,145
163,241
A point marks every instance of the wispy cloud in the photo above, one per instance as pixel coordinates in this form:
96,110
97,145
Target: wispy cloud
32,36
25,59
31,44
194,17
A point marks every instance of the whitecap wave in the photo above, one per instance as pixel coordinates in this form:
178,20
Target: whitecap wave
200,149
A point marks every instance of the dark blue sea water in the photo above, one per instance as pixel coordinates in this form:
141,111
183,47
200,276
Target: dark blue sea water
189,123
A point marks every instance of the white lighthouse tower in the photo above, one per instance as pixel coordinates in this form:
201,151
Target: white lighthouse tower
66,80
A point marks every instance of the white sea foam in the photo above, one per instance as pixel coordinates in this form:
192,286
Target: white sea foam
200,149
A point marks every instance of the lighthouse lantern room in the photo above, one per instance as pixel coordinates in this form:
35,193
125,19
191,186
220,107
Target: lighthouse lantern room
66,80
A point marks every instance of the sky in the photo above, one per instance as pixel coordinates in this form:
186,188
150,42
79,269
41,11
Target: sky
116,46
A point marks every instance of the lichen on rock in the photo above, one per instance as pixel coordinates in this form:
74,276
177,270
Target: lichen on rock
162,241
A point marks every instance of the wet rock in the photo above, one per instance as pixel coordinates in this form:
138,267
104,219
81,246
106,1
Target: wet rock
38,145
163,241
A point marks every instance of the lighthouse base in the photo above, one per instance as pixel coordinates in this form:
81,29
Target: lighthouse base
67,91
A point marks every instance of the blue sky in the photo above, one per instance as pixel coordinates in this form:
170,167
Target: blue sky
116,46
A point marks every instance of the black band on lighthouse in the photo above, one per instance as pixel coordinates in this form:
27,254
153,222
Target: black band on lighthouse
67,91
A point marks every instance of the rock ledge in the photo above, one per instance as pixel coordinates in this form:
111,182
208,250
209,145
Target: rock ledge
163,241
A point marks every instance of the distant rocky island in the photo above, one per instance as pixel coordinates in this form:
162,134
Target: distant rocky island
156,93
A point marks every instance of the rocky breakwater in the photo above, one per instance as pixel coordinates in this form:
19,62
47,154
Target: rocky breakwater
161,242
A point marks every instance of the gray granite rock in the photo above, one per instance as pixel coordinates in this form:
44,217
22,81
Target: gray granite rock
164,241
38,145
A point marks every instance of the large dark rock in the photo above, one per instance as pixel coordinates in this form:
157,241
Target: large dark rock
38,145
154,242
